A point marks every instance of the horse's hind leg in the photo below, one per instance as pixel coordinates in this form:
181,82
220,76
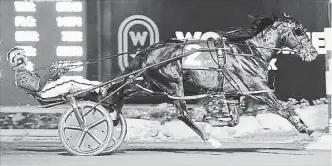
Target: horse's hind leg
175,88
183,116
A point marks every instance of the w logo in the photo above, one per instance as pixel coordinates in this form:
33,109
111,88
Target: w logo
138,37
133,33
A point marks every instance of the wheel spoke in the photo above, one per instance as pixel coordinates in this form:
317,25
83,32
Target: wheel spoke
80,140
72,127
96,123
94,137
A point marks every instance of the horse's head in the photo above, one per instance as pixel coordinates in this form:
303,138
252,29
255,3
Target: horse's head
293,35
283,32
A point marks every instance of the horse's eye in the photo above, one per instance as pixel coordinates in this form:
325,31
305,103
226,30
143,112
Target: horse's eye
299,31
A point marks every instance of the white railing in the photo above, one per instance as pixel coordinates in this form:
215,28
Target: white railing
328,73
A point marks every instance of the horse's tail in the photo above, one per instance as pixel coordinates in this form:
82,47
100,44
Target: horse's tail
135,64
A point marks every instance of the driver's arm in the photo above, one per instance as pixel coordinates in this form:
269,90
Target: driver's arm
27,80
45,77
31,81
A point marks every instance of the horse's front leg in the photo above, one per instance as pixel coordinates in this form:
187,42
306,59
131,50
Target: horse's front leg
271,100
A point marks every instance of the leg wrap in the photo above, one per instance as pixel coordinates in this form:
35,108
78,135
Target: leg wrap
220,113
216,107
297,123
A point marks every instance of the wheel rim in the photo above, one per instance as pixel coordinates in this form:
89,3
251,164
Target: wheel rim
120,132
88,140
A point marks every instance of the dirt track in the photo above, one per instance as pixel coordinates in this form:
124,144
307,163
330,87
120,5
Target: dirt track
155,154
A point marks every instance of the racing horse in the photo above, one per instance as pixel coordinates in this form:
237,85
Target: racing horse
238,68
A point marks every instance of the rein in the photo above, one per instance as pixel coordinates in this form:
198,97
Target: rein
72,64
104,58
269,48
90,61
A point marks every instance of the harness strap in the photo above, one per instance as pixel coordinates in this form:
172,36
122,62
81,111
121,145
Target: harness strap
193,97
221,55
252,52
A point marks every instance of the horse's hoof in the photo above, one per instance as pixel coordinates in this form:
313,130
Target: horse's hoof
215,143
315,135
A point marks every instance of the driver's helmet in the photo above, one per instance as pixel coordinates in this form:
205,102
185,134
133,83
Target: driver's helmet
16,57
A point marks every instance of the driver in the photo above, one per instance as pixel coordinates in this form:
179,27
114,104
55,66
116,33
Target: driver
48,83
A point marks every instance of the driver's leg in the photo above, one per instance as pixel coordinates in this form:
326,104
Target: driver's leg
65,86
82,84
56,88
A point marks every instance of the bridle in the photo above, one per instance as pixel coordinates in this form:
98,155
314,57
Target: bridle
298,30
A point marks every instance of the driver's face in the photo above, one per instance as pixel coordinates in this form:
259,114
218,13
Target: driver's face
20,57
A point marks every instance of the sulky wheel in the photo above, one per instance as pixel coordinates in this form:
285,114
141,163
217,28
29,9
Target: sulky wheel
93,137
120,132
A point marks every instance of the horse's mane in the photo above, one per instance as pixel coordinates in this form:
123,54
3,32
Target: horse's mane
260,23
257,25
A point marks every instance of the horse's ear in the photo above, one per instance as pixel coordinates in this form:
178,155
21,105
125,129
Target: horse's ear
251,17
286,15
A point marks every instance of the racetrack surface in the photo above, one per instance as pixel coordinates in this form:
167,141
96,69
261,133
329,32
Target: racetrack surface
51,153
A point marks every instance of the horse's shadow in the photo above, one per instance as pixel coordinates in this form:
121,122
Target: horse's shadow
202,151
207,151
41,149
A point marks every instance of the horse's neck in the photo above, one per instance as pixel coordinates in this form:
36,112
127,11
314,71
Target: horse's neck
262,41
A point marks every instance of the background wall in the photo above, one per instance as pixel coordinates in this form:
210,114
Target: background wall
101,21
292,79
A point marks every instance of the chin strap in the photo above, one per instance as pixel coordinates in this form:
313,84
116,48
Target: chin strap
18,66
